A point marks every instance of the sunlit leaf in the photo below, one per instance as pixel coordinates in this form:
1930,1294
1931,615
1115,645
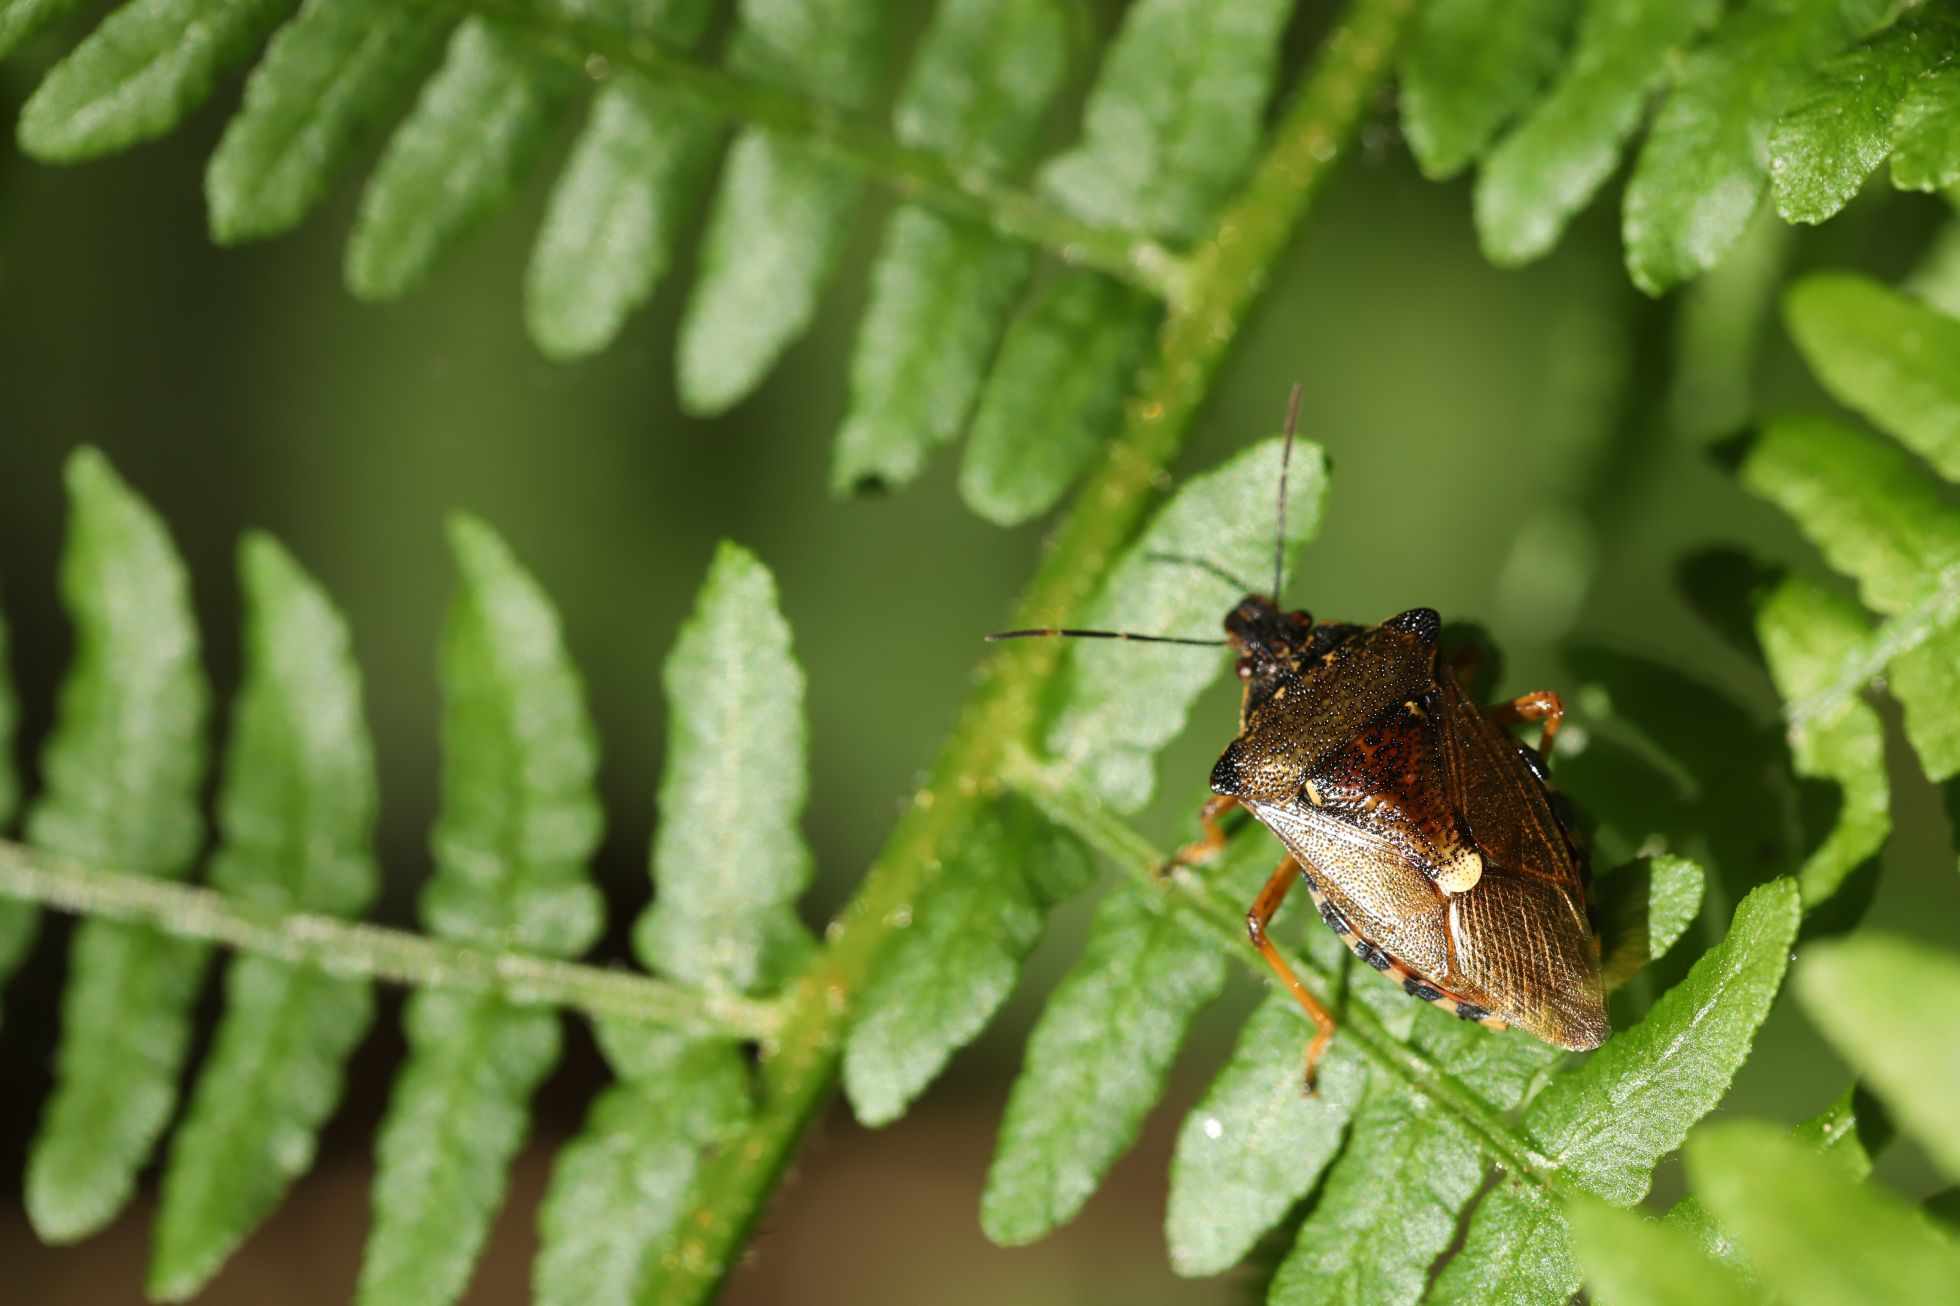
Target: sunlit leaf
1389,1207
1838,129
1705,164
618,1190
1888,356
1518,1250
1816,1237
1891,1006
1469,65
1645,909
1631,1259
1549,166
639,165
781,215
1097,1061
1878,518
519,820
729,859
329,76
1606,1124
1174,116
478,126
954,966
1055,392
1121,709
139,74
1256,1144
296,817
121,777
1807,634
1926,133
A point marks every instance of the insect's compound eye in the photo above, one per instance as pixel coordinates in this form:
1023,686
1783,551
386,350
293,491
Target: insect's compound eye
1244,668
1300,619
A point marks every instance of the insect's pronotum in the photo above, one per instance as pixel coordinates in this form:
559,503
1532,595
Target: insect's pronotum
1431,838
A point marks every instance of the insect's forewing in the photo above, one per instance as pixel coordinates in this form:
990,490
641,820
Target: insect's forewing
1523,931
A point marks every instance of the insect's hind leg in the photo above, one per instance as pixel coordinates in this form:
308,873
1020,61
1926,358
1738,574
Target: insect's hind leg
1538,705
1257,918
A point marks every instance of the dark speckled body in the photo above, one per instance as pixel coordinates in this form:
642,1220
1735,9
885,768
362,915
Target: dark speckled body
1428,836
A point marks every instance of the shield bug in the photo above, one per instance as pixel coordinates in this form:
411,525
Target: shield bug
1431,839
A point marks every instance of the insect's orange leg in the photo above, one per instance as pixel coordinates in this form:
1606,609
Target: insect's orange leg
1257,917
1212,841
1539,705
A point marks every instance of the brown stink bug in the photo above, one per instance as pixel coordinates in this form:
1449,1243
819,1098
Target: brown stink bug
1431,838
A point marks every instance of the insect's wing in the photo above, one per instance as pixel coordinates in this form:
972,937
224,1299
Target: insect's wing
1522,932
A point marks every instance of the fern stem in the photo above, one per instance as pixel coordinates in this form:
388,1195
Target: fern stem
1068,805
350,948
914,174
1226,274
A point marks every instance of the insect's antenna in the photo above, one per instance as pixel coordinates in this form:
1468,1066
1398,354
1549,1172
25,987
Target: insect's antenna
1285,459
1203,564
1100,634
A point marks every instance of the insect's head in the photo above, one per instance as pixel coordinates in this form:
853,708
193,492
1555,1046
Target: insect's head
1268,640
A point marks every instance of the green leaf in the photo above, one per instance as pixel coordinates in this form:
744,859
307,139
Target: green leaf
1606,1124
274,1074
1816,1237
1389,1207
519,820
1807,634
940,294
455,1119
1882,521
1055,392
478,126
942,289
1119,711
1838,129
121,777
139,74
956,963
1518,1250
297,819
1548,167
1469,65
729,859
1097,1061
1702,171
1891,1006
1631,1259
23,20
519,815
1848,1132
779,225
615,215
1887,356
782,216
1174,116
1256,1144
1645,908
331,74
618,1190
1926,133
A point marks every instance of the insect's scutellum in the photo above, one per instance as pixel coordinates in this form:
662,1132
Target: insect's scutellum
1432,840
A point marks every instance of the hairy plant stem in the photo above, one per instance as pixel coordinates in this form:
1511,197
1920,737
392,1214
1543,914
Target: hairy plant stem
1069,805
601,49
349,948
1226,273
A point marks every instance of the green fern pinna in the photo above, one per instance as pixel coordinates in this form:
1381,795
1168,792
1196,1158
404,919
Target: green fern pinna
1059,297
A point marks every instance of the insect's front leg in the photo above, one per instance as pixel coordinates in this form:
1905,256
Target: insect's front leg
1211,841
1539,705
1260,915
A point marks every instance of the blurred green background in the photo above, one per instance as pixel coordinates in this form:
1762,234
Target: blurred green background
1525,449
